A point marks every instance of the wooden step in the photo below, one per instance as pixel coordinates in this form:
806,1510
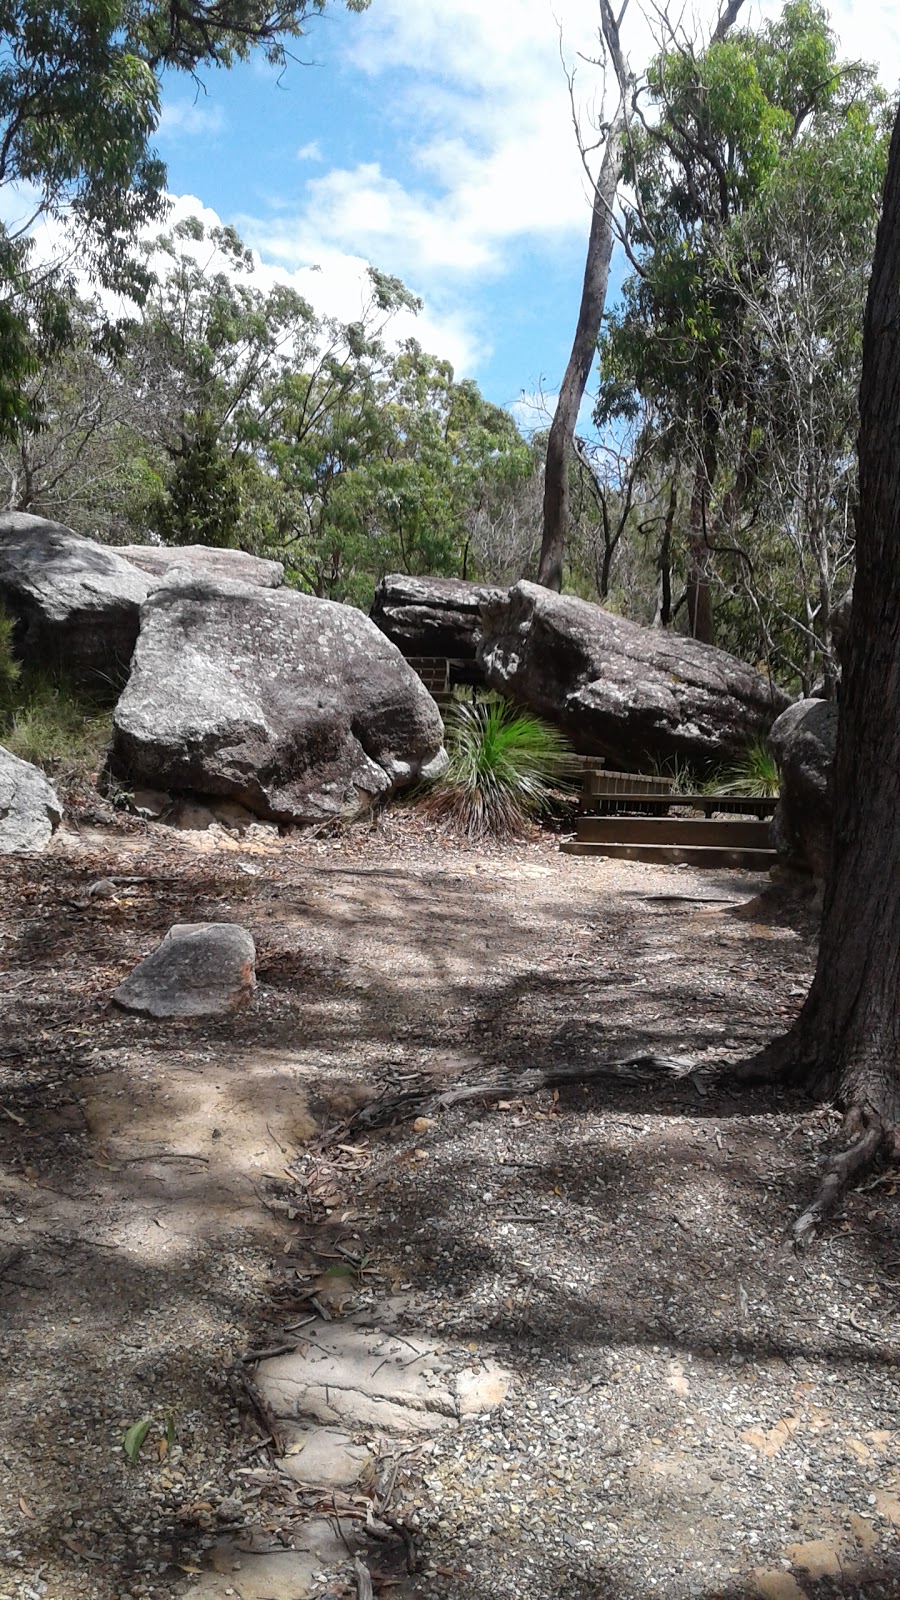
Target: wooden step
744,833
756,805
685,855
610,782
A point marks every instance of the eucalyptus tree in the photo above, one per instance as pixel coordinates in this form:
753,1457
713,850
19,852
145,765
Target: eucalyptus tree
733,128
79,105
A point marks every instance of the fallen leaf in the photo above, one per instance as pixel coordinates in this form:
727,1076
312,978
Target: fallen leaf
422,1124
25,1508
859,1450
135,1437
769,1442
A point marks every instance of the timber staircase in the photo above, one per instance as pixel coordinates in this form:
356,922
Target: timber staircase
635,818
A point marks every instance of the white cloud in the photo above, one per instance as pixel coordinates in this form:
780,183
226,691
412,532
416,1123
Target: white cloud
486,106
534,410
190,119
310,152
337,285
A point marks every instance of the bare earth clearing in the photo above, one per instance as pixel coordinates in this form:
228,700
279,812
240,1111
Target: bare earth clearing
690,1411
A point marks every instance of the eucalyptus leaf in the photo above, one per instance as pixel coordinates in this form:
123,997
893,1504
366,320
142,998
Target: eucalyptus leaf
135,1437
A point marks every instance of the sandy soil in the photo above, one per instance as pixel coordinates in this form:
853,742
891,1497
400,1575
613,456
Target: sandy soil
693,1411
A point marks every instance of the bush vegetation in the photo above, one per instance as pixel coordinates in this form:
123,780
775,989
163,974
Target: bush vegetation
506,768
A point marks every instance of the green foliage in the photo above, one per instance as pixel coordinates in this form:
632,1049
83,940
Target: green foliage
736,343
505,768
755,773
9,666
134,1438
79,104
46,721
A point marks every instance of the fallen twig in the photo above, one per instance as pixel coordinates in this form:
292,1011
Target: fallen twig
363,1581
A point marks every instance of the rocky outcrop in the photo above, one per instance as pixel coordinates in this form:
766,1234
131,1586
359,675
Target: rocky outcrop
76,604
804,740
432,616
201,969
30,811
617,689
295,707
204,561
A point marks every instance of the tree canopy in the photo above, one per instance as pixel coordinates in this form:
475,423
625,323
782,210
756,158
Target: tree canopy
79,104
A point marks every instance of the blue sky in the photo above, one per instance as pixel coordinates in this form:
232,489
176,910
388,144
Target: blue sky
434,139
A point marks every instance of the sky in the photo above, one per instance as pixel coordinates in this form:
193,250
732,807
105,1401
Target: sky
434,139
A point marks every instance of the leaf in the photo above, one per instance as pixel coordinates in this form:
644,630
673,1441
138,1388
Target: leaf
170,1431
24,1507
341,1270
135,1437
768,1443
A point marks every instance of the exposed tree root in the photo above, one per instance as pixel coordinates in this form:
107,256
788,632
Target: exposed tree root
425,1102
840,1171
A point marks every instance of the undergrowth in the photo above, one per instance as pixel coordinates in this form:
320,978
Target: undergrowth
755,773
46,721
506,767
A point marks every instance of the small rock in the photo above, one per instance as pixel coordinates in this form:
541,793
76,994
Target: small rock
30,811
201,969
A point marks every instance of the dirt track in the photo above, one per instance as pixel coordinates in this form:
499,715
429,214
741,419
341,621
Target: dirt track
692,1413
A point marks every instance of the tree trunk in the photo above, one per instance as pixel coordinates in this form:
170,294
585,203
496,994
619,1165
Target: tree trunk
699,578
846,1043
584,348
663,614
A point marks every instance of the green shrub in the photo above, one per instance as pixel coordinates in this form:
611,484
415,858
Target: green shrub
506,767
9,666
45,721
754,774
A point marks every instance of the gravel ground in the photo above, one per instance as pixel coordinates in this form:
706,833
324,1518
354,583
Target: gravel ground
694,1412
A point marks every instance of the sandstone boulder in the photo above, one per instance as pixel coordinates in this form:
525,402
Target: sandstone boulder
617,689
30,811
76,604
205,561
804,740
201,969
432,616
298,708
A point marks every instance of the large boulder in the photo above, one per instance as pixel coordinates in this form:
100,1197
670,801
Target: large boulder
76,604
432,616
804,740
296,707
201,969
30,811
617,689
204,561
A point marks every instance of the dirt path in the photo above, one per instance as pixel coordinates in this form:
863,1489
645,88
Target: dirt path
689,1411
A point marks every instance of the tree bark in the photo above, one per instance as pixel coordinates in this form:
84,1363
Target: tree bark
584,348
845,1044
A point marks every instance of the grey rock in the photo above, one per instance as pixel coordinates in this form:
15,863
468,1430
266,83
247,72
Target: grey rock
620,690
324,1458
30,811
76,604
804,740
249,1573
205,561
362,1378
297,708
201,969
432,616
